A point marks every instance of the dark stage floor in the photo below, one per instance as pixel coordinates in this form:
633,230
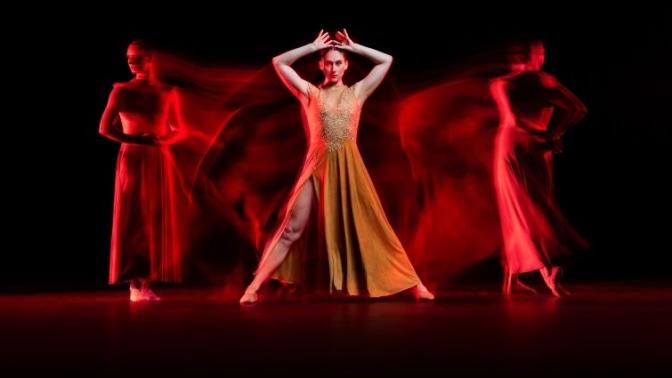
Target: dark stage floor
601,329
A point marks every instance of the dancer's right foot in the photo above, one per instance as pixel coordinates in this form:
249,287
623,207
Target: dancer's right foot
422,293
249,297
550,279
520,286
136,296
148,295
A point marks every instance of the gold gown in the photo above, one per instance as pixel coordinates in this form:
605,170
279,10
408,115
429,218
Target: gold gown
363,253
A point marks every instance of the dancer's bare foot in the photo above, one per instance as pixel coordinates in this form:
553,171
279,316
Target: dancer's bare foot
550,279
135,294
561,289
140,292
422,293
146,294
520,286
249,297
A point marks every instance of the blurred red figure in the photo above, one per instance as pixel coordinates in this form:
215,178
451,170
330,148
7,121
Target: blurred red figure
535,110
141,115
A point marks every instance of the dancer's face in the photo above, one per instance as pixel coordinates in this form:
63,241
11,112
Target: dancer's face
518,59
333,65
537,56
138,59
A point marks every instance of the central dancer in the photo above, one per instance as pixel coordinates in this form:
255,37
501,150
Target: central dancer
365,256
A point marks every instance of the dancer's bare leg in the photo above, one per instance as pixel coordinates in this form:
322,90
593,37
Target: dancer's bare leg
506,285
297,223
